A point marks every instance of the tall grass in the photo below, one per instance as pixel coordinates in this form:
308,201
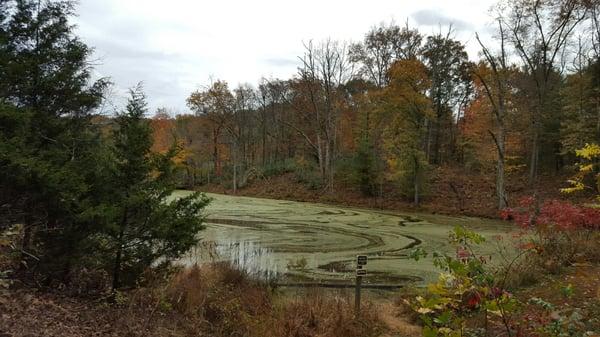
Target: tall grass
219,300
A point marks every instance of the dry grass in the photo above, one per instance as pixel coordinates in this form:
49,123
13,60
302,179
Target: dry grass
232,304
320,313
212,300
225,300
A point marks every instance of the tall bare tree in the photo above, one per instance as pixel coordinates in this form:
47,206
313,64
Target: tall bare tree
539,31
496,87
318,99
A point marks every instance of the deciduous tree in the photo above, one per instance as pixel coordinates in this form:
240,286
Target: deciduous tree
407,109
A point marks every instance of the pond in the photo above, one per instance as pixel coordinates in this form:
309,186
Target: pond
306,242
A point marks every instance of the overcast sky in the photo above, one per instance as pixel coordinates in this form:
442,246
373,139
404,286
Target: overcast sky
176,46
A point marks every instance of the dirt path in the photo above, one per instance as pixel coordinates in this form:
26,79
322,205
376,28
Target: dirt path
398,326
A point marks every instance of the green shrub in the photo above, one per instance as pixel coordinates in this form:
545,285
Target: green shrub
279,167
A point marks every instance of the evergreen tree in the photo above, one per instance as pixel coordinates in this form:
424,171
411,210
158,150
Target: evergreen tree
143,224
82,200
365,166
47,143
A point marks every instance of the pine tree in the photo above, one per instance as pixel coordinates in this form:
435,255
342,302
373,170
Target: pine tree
365,166
82,200
47,143
143,224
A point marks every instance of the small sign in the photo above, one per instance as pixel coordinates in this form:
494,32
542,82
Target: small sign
361,260
361,272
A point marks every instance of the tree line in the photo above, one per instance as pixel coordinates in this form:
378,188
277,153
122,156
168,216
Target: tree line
396,104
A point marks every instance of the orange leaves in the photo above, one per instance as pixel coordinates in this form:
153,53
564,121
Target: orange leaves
162,131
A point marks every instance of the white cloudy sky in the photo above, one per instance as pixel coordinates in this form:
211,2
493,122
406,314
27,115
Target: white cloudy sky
176,46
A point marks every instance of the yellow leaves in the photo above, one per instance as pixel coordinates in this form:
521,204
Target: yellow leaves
589,151
446,331
181,156
586,168
407,90
436,288
576,186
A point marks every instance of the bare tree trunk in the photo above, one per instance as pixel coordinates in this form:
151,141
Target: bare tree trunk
500,188
27,229
117,266
498,101
533,161
264,138
217,164
417,171
234,158
436,139
329,165
428,147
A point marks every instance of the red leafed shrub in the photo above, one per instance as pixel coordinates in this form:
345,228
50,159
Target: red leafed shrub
562,215
558,231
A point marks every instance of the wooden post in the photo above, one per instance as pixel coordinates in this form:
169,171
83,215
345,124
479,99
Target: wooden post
361,260
357,295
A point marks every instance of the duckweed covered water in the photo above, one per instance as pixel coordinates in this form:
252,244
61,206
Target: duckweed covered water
297,241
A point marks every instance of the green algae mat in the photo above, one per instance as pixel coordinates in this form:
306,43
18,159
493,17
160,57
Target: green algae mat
306,242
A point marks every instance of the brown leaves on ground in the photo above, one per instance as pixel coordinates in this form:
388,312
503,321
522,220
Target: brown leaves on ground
578,288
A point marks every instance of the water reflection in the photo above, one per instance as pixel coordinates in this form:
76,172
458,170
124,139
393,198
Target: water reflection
249,256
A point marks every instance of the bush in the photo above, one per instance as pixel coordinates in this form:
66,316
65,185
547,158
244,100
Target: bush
278,168
468,287
472,297
307,173
559,232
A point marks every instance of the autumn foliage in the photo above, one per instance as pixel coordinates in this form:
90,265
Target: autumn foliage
560,215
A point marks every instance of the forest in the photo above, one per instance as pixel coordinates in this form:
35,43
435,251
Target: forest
392,108
471,183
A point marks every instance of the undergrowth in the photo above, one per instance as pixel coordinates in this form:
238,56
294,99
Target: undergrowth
214,300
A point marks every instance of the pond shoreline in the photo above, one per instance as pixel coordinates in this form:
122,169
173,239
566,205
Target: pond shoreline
408,212
452,191
392,206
